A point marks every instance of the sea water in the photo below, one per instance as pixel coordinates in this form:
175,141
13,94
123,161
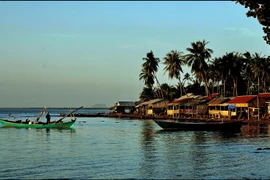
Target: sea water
112,148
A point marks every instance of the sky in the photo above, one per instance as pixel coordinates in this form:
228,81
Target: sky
72,54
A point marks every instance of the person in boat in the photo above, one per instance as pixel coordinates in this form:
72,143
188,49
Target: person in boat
48,117
27,120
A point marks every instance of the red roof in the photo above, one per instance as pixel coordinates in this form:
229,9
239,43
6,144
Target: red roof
242,99
264,95
181,100
211,96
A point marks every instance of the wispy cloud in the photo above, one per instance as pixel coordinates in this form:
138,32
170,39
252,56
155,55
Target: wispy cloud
242,31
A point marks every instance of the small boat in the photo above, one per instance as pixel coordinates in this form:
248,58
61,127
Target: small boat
20,124
28,124
199,125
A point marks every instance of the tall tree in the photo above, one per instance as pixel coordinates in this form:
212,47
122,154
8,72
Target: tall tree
187,78
247,73
260,67
214,74
146,94
259,9
198,54
234,68
149,70
173,65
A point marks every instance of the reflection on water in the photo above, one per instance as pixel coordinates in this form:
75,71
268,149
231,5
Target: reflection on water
255,130
132,149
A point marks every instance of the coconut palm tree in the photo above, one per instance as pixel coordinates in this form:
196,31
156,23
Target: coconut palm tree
173,65
235,68
214,73
169,91
149,70
146,94
147,77
260,67
247,73
187,78
198,54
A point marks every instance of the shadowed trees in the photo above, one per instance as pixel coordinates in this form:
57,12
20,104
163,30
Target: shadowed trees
232,74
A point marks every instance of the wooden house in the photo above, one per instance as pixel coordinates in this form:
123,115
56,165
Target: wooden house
175,108
246,106
266,97
158,107
218,108
124,107
149,107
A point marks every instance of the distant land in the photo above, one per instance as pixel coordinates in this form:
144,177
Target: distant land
96,106
99,106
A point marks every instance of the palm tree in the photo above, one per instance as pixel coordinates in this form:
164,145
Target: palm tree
173,65
147,77
198,54
149,70
260,67
214,73
247,73
169,91
146,94
187,78
235,69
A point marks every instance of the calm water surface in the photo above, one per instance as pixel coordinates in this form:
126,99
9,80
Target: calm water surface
106,148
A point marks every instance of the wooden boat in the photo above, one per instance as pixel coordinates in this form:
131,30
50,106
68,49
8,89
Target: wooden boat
199,125
56,124
20,124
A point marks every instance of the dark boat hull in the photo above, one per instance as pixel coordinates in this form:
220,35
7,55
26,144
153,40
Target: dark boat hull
199,125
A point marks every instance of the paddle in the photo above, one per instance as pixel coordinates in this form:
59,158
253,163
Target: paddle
41,113
68,114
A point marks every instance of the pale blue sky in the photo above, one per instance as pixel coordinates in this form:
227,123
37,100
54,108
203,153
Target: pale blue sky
83,53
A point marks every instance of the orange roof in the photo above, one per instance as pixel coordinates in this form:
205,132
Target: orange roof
264,95
242,99
211,96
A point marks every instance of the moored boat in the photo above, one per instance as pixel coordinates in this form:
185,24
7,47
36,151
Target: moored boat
19,124
199,125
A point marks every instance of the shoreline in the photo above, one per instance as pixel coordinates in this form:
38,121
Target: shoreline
141,117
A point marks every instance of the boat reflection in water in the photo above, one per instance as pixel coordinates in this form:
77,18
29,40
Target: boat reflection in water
255,129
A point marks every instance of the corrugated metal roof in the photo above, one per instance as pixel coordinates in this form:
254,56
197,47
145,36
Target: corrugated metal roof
211,96
180,100
193,102
150,102
264,95
126,103
218,101
241,99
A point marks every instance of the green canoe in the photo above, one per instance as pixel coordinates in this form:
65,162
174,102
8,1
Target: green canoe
7,123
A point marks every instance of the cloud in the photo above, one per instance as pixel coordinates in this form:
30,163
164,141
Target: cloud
242,31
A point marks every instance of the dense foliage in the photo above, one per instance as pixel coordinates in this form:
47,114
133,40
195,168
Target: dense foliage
232,74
